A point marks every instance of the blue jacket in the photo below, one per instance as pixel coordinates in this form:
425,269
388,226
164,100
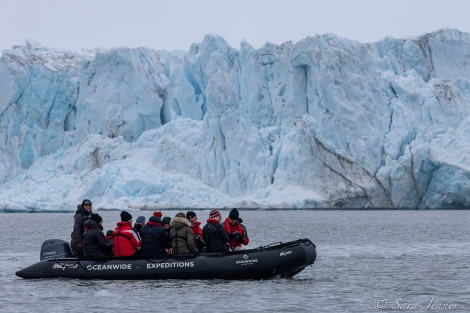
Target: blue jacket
153,237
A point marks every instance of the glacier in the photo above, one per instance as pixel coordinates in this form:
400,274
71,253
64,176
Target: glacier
326,122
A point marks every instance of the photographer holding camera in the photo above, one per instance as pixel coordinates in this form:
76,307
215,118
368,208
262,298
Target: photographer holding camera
196,230
236,231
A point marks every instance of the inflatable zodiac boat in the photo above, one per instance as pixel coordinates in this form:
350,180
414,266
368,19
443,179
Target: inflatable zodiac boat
275,260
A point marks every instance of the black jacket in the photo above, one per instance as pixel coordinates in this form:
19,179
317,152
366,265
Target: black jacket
153,237
81,215
94,242
215,237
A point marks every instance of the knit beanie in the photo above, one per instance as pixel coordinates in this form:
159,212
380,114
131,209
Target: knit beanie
125,216
190,215
214,214
140,219
233,214
166,220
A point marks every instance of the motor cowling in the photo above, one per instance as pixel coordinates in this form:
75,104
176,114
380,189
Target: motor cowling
54,249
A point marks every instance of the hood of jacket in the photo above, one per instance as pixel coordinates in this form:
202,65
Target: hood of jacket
155,219
92,224
179,222
81,210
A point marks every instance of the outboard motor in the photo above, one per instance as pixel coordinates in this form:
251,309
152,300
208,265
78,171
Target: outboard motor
54,249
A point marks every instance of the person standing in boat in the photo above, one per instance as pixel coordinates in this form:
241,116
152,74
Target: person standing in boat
236,231
215,236
82,214
94,241
126,241
181,237
196,230
153,236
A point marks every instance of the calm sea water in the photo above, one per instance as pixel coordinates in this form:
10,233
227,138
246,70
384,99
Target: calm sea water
368,261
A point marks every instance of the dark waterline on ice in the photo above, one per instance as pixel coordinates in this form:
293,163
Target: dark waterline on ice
39,210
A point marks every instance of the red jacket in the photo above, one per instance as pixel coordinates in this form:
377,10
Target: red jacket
196,229
125,240
229,228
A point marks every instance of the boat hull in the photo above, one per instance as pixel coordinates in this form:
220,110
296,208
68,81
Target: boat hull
282,259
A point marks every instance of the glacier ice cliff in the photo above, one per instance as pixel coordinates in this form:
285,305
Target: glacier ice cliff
326,122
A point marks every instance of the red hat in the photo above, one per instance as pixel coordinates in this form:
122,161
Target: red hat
214,214
157,213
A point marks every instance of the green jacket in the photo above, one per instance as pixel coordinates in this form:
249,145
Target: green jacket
181,236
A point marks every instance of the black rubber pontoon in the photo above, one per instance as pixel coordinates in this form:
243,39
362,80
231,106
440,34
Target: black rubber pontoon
275,260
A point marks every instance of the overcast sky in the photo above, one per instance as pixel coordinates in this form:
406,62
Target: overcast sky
176,24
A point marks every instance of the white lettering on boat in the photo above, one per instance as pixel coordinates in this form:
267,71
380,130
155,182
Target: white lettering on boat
64,266
246,260
170,265
105,267
284,253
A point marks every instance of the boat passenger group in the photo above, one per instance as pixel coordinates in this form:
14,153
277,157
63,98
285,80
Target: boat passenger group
180,234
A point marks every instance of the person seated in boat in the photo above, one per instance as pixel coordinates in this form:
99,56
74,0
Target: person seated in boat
166,226
153,236
236,231
215,236
109,238
196,230
181,237
126,241
82,214
139,224
94,241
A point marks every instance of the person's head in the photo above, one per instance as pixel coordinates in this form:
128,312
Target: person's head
180,214
86,204
166,222
215,215
233,216
126,217
140,220
192,217
97,218
139,223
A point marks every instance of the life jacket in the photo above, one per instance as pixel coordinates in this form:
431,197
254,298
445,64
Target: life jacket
229,228
126,241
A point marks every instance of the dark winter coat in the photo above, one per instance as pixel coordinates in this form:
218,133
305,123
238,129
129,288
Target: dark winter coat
94,241
153,237
81,215
181,237
215,236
